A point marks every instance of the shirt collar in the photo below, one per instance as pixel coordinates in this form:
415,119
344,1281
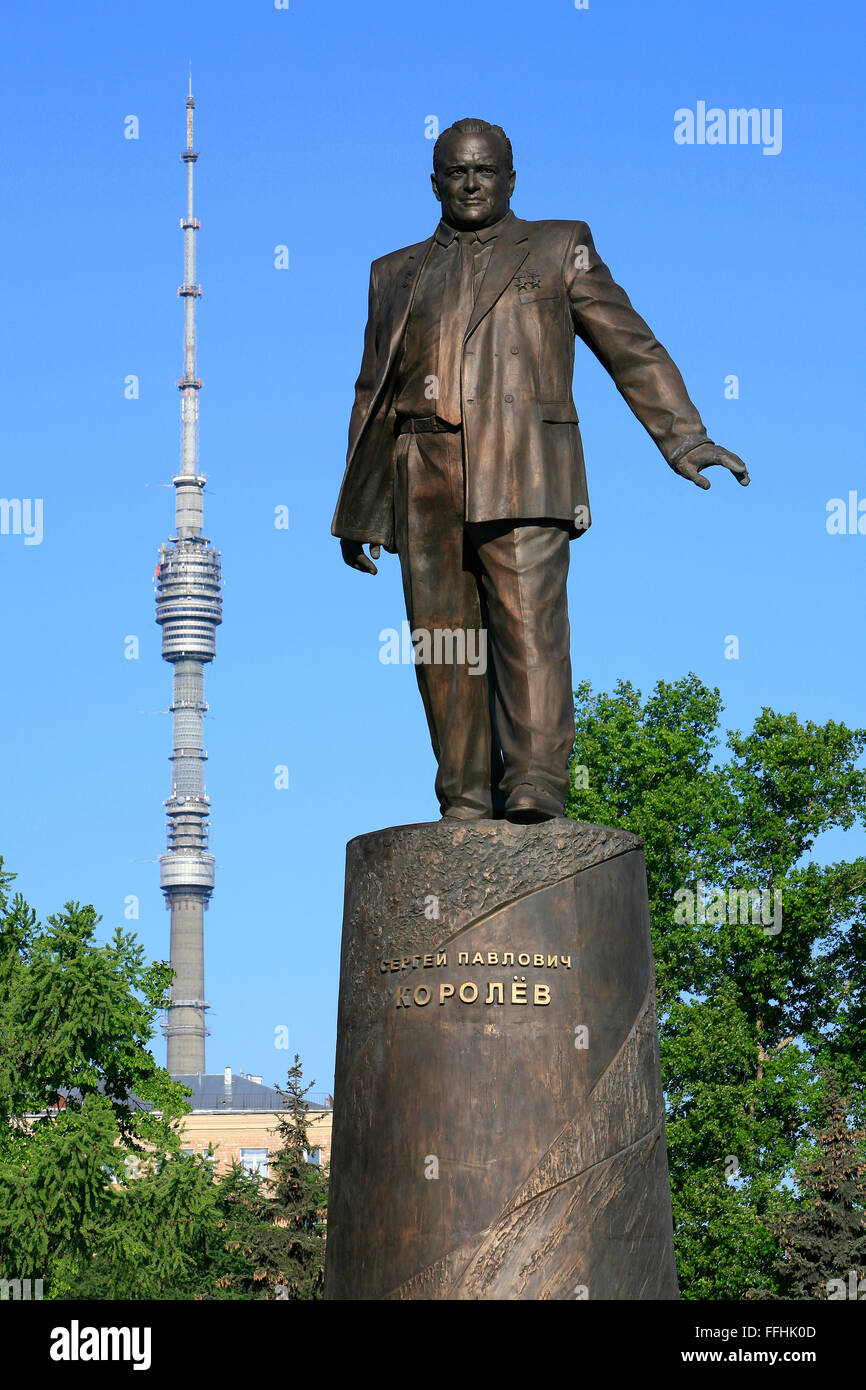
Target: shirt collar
445,234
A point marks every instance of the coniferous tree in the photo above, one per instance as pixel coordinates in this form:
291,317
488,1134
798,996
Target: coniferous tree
824,1238
282,1220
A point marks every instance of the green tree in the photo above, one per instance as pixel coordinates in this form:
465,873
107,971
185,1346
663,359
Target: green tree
81,1101
281,1221
97,1198
823,1239
755,993
157,1235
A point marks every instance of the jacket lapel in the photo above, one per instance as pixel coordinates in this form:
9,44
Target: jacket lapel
509,253
400,300
393,313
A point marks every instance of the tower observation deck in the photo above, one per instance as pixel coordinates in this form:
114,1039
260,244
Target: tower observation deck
189,610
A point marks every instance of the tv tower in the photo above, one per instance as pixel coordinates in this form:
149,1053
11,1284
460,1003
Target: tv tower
188,608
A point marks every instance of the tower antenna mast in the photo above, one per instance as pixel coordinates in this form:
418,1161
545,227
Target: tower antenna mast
188,609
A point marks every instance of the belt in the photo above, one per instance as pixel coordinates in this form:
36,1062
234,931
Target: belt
427,424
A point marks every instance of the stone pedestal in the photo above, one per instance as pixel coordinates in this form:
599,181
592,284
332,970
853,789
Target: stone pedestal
498,1119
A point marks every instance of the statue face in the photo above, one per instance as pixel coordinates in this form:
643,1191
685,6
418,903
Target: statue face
473,180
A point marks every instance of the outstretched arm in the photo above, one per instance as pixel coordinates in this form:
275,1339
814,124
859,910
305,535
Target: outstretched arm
643,372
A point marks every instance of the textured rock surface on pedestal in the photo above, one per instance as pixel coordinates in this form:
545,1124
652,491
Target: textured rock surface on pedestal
486,1149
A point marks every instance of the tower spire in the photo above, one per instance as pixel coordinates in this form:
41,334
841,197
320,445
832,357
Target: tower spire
189,609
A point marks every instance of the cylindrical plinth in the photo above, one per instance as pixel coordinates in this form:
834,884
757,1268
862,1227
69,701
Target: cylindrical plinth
498,1115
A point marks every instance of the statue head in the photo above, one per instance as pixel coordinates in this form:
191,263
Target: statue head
473,174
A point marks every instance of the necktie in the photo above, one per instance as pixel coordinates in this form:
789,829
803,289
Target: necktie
457,305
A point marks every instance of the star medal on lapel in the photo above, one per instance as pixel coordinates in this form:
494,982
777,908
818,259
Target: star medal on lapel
527,281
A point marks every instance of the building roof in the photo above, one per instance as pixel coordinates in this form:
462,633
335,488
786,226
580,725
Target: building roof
211,1091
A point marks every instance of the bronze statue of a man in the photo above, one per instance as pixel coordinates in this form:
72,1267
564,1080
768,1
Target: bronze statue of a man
465,458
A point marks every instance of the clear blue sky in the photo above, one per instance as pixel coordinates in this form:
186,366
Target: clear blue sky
311,127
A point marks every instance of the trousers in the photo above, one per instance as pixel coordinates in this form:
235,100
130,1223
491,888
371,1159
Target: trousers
487,606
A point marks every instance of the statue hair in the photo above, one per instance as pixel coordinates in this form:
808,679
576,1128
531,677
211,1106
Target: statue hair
471,125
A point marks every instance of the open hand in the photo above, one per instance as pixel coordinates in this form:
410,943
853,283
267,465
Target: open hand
691,465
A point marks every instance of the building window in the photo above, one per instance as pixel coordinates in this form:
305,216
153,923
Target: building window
255,1162
314,1156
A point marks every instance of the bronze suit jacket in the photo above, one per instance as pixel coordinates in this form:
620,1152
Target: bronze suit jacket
523,457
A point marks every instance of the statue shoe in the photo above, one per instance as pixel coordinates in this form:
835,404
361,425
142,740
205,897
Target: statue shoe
527,805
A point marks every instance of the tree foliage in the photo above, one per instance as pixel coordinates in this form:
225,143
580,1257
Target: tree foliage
749,1010
97,1199
80,1094
285,1232
823,1239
